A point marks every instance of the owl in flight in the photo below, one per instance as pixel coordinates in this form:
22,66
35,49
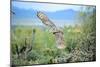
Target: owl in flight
58,34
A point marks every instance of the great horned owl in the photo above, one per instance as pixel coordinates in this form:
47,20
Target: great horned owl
58,34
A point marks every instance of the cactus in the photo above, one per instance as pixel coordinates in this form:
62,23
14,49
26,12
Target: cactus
24,50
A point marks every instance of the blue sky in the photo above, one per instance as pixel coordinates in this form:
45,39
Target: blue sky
25,13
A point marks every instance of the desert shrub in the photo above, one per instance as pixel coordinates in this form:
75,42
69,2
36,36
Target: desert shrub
86,48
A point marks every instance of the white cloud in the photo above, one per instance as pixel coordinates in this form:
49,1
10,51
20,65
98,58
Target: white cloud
47,7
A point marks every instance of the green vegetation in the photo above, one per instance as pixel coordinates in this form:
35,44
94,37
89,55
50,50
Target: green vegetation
36,45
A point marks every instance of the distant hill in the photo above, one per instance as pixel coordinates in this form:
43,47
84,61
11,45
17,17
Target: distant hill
64,14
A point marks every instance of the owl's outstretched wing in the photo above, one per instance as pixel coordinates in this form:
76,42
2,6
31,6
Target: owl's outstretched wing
45,19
